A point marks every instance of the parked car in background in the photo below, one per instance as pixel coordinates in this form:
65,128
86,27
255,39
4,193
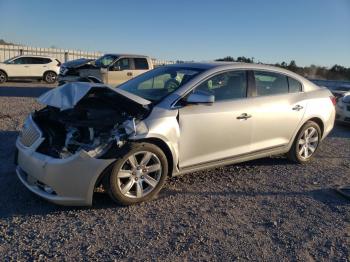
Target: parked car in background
30,67
112,69
169,121
343,108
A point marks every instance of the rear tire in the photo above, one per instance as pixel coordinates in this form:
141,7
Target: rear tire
3,77
138,175
306,143
50,77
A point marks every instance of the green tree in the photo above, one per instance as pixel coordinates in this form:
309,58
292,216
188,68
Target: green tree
226,59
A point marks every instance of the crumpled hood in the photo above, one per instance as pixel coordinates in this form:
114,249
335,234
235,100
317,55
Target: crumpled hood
77,63
68,95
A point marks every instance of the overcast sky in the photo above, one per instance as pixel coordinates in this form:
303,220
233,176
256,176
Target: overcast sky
308,31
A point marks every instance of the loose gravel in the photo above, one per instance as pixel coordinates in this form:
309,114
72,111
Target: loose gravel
268,209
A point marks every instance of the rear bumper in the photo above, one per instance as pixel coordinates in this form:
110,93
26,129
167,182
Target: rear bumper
69,181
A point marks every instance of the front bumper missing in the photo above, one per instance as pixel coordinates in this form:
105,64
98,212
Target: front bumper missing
71,180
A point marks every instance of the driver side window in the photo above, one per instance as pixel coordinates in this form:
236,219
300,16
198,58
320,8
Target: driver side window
123,64
225,86
19,61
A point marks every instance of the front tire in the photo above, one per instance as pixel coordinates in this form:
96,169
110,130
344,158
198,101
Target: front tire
50,77
3,77
138,175
306,143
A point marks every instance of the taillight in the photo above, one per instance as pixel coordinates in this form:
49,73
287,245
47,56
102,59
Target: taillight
58,62
334,100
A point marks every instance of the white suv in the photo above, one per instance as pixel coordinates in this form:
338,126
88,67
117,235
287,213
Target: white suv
29,66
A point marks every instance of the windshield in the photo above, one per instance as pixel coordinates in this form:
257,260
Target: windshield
160,82
105,61
8,60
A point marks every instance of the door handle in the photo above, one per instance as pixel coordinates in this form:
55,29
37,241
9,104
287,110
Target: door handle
297,108
244,116
26,66
129,73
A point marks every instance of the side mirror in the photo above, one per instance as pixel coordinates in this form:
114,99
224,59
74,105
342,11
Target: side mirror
200,98
115,68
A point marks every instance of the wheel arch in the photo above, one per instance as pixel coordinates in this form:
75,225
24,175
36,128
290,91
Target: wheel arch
315,119
318,121
152,140
2,70
47,71
165,148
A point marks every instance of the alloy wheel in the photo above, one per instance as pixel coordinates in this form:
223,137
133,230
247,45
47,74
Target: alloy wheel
2,77
50,77
308,143
139,174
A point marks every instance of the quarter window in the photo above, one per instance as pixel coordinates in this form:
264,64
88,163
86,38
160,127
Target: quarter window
141,63
294,85
269,83
226,86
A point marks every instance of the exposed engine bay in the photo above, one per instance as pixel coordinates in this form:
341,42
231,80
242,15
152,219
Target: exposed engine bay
101,119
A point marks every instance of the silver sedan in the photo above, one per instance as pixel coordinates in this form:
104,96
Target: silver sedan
169,121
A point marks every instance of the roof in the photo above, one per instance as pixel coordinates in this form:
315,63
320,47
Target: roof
234,65
131,55
39,56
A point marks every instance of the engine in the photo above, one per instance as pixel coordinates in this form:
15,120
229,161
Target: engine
91,129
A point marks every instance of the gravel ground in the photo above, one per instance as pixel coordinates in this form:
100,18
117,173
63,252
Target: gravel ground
268,209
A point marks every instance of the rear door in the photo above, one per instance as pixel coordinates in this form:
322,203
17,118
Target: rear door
216,131
37,66
279,107
120,71
140,66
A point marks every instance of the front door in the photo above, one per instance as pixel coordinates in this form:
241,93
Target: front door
120,72
18,67
219,130
34,66
140,66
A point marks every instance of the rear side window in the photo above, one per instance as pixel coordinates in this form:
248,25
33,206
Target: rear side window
46,60
294,85
141,64
269,83
38,60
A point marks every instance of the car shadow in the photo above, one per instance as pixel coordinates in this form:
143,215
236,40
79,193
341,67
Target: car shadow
18,201
267,161
22,80
327,196
7,149
15,91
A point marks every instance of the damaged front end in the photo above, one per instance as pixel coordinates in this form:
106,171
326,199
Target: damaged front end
89,117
